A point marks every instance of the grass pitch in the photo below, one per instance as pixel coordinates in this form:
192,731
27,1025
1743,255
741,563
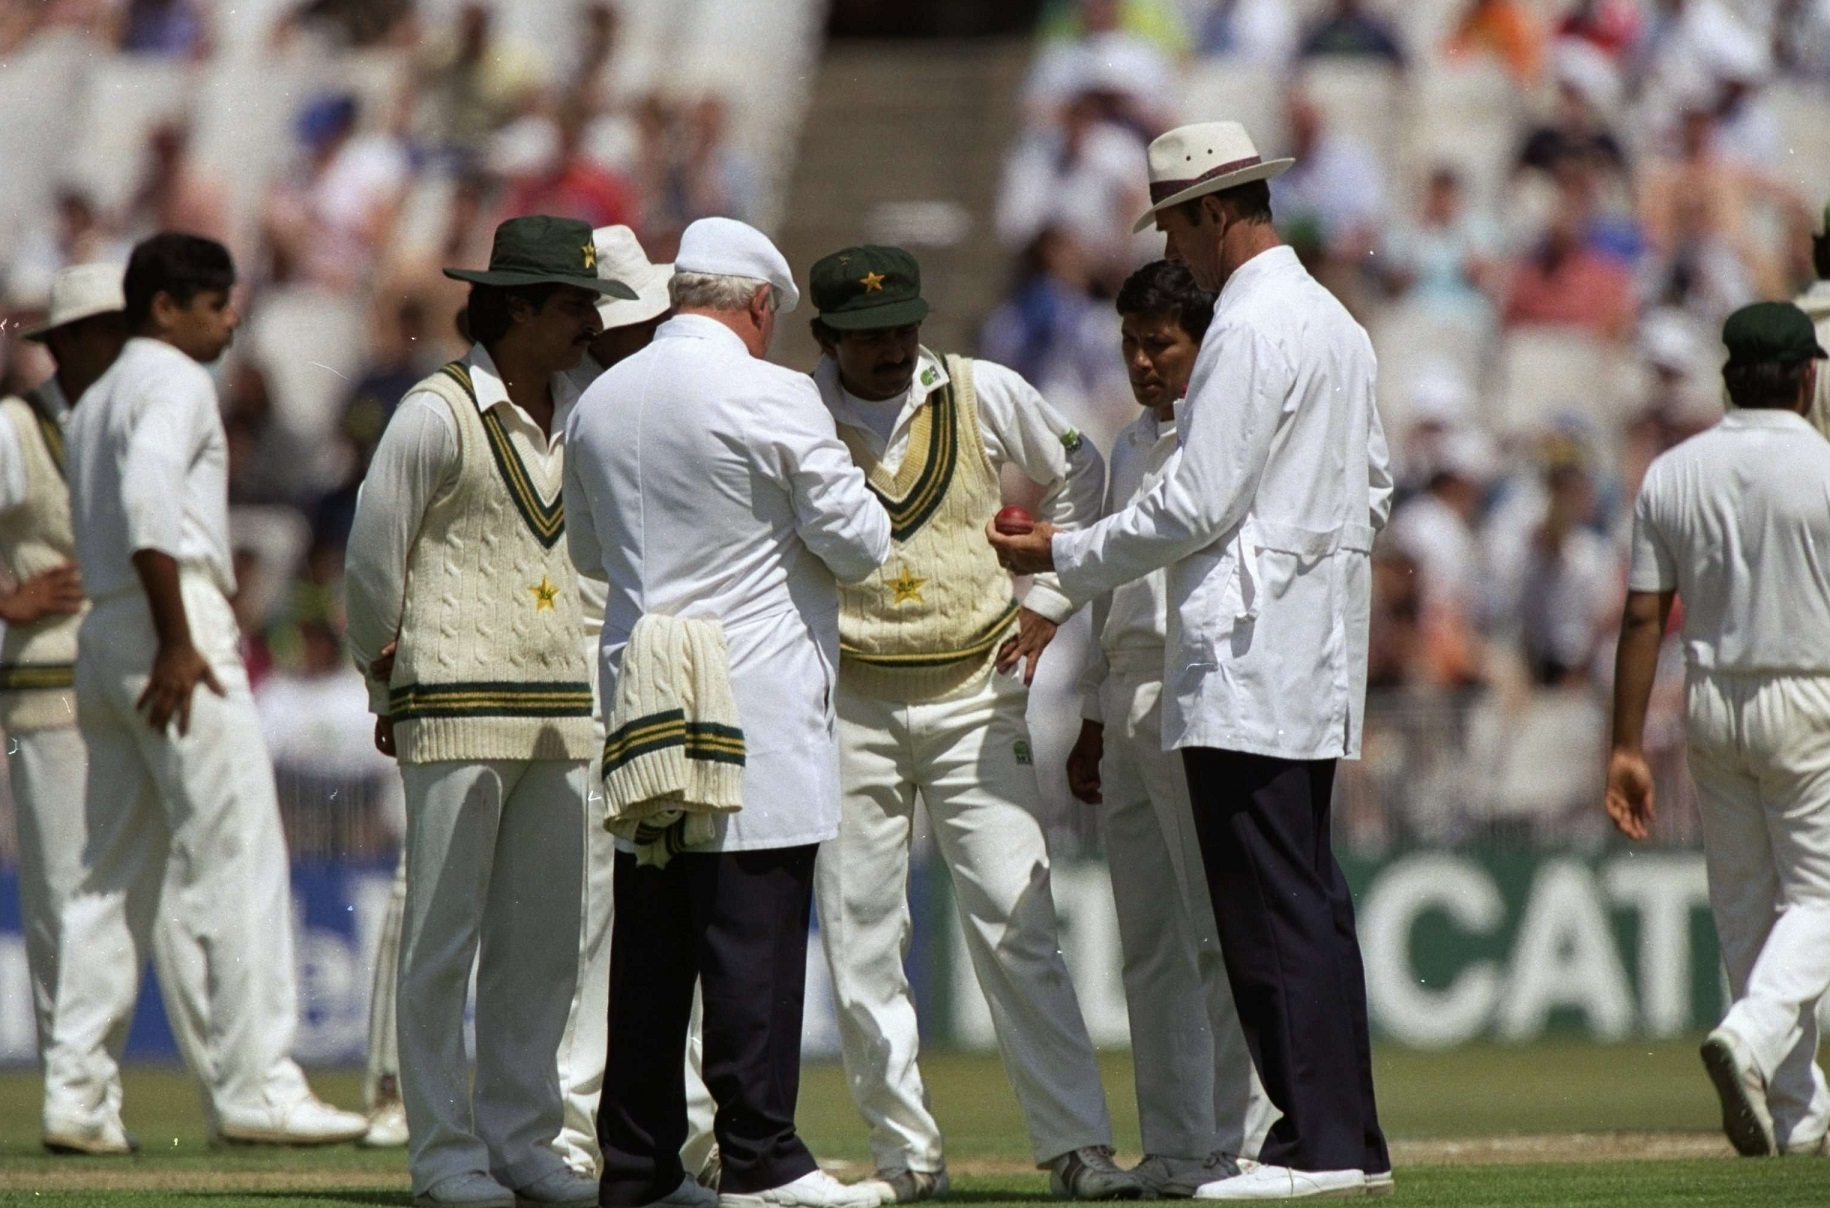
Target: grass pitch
1549,1124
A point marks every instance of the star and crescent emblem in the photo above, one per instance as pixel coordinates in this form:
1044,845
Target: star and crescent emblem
544,594
872,283
907,587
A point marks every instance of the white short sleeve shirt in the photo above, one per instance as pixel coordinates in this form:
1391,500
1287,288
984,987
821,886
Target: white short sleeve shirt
1736,520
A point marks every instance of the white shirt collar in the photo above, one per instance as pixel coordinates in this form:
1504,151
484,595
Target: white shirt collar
930,375
1271,261
1765,417
486,385
1819,289
53,396
699,327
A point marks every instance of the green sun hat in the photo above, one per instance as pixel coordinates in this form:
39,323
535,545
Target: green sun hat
541,250
867,289
1771,331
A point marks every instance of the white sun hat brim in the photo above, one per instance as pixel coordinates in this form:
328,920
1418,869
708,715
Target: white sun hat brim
1264,170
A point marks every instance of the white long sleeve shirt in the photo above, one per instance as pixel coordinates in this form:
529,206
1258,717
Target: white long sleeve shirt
148,464
1266,522
415,460
703,482
1130,622
1018,428
13,485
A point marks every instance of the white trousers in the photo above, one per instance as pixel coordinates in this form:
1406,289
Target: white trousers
495,862
185,830
969,760
1760,756
1196,1088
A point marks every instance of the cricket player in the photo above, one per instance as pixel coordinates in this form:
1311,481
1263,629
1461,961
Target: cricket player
706,484
183,826
1198,1101
1815,302
83,332
927,704
457,559
1266,522
1734,523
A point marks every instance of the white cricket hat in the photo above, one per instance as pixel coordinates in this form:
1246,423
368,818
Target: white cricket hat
81,291
620,258
1193,161
727,248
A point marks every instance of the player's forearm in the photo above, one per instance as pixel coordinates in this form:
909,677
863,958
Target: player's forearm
159,579
1642,628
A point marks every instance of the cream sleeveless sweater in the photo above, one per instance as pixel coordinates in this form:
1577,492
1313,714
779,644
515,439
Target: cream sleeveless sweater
928,623
489,665
38,661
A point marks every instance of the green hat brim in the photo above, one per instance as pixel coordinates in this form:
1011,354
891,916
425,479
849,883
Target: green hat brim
599,285
876,318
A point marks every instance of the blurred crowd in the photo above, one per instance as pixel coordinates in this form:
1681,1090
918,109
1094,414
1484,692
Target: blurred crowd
416,136
1541,211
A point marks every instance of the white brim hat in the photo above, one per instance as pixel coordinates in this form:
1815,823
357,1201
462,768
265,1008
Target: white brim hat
80,292
1193,161
724,247
620,258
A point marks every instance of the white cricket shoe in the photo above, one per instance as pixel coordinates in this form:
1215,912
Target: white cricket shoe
387,1127
1381,1183
1262,1181
1089,1173
310,1121
1742,1090
689,1194
816,1189
90,1139
900,1185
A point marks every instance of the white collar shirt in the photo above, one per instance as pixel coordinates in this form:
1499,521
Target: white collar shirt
1016,426
148,465
1736,520
704,482
415,460
1266,522
1130,622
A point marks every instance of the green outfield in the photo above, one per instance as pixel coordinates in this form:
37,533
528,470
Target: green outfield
1547,1124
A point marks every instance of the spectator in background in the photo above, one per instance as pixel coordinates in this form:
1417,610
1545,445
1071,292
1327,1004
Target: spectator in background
1156,21
709,177
1437,531
1082,177
1588,88
564,180
1050,330
330,220
1801,38
1503,30
1349,29
1563,282
77,235
177,29
1610,26
350,24
1447,256
1336,187
472,83
1697,210
175,193
1679,59
1815,302
1558,591
1257,31
1437,403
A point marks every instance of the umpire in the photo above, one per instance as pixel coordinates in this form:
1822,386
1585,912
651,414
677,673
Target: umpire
1266,523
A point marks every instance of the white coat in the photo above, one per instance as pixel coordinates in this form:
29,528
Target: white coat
1266,522
702,482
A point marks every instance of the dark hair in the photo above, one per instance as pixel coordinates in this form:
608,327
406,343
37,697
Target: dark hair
1820,255
488,309
1166,287
1770,385
1251,202
177,264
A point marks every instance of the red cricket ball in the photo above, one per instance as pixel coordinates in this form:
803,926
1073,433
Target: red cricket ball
1014,521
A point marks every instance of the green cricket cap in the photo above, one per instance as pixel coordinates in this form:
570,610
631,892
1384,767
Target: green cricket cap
541,250
867,288
1771,331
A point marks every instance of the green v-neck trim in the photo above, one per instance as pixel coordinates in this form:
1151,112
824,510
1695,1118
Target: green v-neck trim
547,521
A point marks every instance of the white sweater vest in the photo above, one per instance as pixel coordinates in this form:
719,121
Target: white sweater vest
928,623
489,665
38,661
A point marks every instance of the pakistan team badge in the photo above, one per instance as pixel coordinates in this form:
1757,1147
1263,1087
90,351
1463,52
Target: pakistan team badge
907,587
929,376
1020,749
